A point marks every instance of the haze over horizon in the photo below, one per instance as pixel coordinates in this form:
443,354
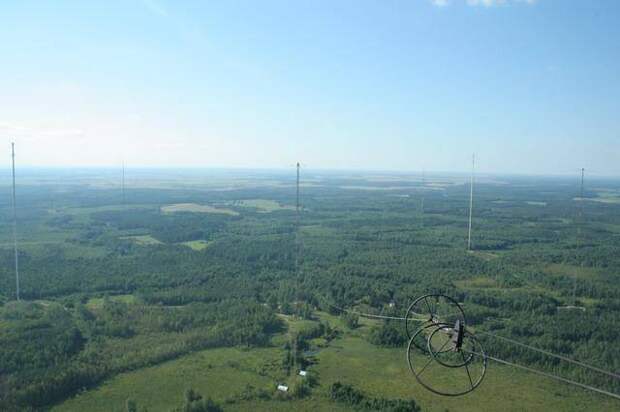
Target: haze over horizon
529,86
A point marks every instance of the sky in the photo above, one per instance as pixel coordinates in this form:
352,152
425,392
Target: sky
530,86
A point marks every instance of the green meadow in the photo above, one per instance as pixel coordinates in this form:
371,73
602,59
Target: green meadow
223,374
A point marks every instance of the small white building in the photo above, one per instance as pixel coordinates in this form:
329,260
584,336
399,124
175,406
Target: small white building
303,373
283,388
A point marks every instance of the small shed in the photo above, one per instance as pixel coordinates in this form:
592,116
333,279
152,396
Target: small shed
283,388
303,373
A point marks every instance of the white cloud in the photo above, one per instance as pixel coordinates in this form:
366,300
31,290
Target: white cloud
440,3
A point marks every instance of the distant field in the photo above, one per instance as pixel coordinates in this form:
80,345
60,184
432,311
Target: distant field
81,214
265,205
603,196
485,255
144,240
197,244
196,208
478,282
572,270
95,303
375,188
318,231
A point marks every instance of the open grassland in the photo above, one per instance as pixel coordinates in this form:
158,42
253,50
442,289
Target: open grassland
82,214
264,205
224,373
487,256
144,240
196,208
97,303
612,197
572,270
477,282
33,233
197,244
219,373
385,372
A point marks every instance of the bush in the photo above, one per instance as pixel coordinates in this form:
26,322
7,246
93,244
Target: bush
351,320
347,394
388,334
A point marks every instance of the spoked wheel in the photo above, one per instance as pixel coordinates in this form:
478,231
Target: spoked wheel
442,347
442,366
432,309
420,338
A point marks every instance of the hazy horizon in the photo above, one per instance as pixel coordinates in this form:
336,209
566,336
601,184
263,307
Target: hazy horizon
307,173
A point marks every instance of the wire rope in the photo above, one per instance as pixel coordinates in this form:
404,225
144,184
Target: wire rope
549,375
515,342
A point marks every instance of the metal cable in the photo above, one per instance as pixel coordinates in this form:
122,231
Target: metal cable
564,358
524,345
525,368
365,315
549,375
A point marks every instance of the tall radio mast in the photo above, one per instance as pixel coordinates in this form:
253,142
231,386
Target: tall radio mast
297,221
15,224
471,199
580,235
422,199
123,183
297,195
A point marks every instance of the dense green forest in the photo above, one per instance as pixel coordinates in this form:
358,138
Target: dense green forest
109,286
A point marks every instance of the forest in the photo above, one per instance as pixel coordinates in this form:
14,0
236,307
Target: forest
113,283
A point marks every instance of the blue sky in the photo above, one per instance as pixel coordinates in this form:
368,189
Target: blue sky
530,86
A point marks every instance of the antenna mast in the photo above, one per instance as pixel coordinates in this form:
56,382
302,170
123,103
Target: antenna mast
580,237
422,200
471,199
297,235
123,183
583,170
15,225
297,196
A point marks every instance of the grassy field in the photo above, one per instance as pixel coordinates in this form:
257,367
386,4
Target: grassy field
219,373
197,244
606,196
95,303
224,373
477,282
196,208
384,372
580,272
144,240
264,205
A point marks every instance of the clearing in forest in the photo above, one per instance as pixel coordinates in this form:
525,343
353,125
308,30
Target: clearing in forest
143,240
265,205
197,244
196,208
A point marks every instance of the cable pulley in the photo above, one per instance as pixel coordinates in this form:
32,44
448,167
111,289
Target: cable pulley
442,355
